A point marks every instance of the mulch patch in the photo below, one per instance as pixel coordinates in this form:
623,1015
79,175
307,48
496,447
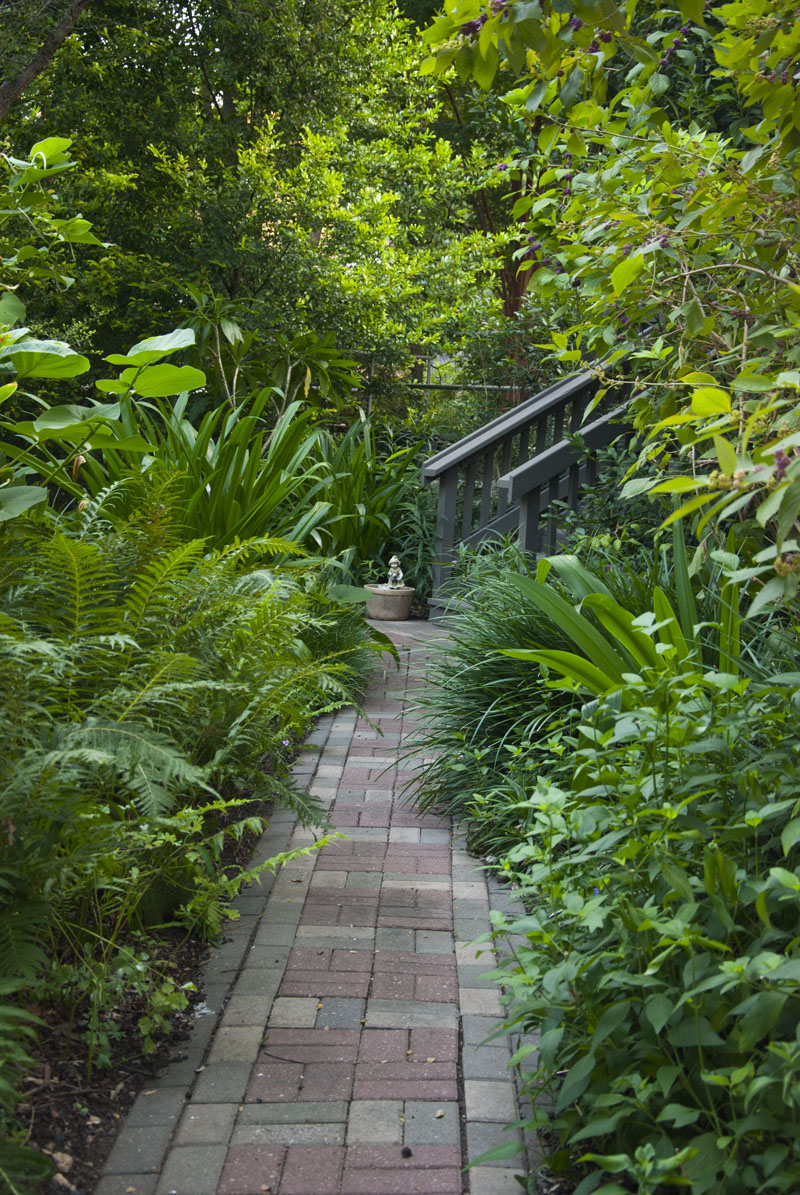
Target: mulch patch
74,1118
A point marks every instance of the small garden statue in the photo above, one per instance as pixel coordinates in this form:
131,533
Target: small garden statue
395,574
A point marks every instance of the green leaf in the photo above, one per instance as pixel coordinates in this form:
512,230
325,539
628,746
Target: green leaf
44,359
576,668
16,499
677,485
710,400
578,628
154,348
754,383
50,148
71,415
658,1009
499,1153
161,381
575,1083
623,274
619,622
12,310
726,455
695,319
773,591
611,1019
790,835
577,578
485,68
572,88
548,137
679,1115
787,878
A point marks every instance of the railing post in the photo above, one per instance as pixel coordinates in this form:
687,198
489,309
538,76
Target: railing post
445,527
530,532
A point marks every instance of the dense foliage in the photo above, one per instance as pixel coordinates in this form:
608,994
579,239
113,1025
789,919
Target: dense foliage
164,644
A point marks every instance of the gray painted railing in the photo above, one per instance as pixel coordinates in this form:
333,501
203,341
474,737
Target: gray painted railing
504,476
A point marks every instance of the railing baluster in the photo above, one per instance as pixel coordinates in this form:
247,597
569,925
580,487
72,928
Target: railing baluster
486,488
505,465
469,500
522,455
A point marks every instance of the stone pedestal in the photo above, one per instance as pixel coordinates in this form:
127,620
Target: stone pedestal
389,605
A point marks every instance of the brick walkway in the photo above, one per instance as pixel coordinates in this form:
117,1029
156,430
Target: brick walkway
337,1051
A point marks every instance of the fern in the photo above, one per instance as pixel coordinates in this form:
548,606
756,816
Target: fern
79,593
151,764
153,591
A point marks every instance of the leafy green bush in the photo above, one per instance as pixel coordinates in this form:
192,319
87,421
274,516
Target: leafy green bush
659,956
651,824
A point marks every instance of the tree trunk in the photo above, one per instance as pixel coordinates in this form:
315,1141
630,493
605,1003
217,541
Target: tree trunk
12,89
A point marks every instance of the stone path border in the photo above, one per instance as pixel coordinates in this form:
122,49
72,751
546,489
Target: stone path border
338,1047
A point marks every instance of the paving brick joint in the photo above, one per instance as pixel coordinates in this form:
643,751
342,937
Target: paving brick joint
340,1047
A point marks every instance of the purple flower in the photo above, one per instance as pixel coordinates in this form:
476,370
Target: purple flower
502,165
626,250
285,742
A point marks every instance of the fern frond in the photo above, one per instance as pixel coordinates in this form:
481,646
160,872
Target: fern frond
153,591
151,763
22,954
78,593
161,679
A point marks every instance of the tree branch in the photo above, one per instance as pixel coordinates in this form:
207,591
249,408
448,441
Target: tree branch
12,89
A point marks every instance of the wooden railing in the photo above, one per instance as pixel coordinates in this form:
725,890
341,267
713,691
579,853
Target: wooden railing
503,477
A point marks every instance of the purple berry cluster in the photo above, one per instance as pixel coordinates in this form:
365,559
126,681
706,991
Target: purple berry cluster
782,463
736,312
473,27
783,75
677,43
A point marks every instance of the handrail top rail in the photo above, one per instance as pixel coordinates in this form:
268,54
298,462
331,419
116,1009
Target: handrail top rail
553,460
505,425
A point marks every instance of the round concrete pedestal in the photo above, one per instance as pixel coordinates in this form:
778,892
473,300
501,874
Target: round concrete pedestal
389,605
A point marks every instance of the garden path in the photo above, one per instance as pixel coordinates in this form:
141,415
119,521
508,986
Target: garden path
337,1051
